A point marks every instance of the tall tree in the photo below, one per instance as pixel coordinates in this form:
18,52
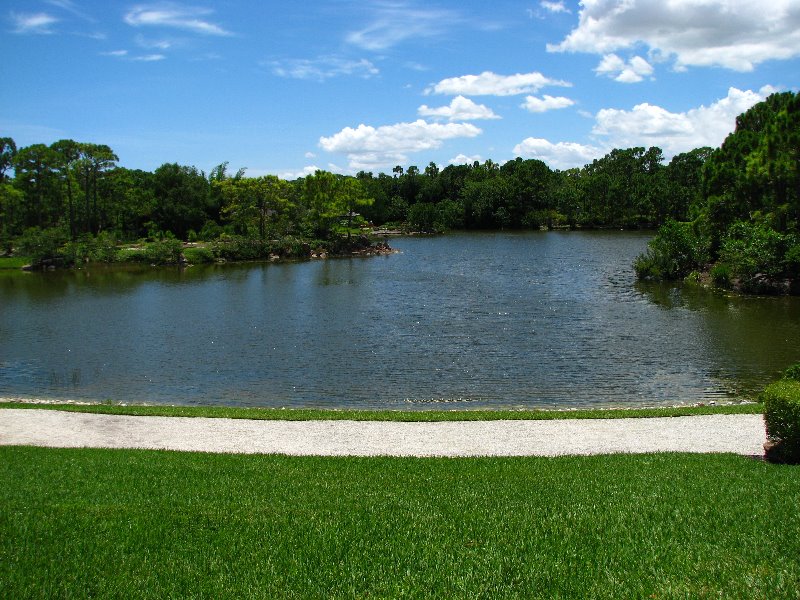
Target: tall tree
8,150
67,153
181,199
254,203
34,168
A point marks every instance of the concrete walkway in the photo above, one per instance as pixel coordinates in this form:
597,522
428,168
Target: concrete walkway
739,434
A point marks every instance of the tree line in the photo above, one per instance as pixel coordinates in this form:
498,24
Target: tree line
70,191
80,189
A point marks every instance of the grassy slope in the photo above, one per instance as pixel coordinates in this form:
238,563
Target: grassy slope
388,415
149,524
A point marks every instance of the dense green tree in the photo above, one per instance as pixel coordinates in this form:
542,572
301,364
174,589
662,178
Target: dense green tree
66,155
256,204
8,151
181,199
747,212
35,175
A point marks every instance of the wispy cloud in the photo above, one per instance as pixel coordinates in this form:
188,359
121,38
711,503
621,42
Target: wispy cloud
175,16
395,22
125,55
149,58
150,44
554,7
323,68
70,7
38,23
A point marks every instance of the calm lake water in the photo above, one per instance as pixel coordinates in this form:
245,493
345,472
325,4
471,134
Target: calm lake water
545,319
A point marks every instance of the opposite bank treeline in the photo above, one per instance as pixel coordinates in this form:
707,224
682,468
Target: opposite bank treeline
736,206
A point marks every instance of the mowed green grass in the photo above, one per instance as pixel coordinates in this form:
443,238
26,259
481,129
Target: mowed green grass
13,262
307,414
153,524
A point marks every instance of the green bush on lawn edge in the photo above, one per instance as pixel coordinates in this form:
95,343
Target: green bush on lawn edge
782,417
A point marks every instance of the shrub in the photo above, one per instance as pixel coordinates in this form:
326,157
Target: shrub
721,275
675,251
41,244
211,230
792,373
235,247
791,261
163,252
198,255
782,417
88,248
753,248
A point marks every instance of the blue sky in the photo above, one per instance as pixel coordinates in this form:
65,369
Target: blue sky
288,87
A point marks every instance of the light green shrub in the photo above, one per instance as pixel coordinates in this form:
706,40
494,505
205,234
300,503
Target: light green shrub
782,417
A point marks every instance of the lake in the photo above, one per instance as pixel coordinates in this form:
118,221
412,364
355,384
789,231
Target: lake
492,320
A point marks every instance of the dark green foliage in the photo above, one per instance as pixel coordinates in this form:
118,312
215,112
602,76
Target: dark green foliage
237,247
782,416
146,524
160,252
41,245
88,248
721,275
181,199
198,255
751,248
748,209
676,250
792,373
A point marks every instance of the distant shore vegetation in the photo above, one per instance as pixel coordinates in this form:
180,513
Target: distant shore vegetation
742,229
729,214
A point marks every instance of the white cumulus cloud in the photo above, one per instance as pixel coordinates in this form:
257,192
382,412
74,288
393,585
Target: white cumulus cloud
459,109
545,103
648,125
561,155
675,132
463,159
368,147
735,34
632,71
491,84
304,172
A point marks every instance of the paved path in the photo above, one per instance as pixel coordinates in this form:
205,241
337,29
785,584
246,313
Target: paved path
739,434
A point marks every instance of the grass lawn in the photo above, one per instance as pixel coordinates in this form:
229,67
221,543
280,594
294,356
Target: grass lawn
388,415
13,262
153,524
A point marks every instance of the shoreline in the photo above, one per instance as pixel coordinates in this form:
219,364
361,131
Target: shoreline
382,415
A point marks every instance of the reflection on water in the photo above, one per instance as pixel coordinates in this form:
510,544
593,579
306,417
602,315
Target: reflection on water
480,320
